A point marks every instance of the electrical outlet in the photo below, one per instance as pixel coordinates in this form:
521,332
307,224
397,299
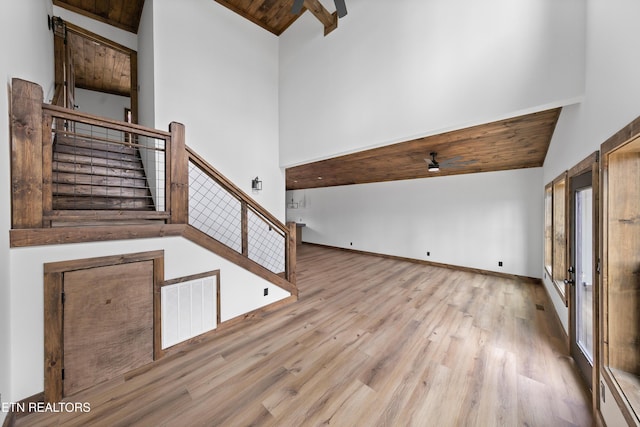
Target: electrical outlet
266,291
350,243
499,263
428,253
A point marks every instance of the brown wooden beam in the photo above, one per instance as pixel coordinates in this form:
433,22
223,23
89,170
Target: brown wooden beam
328,20
178,179
26,154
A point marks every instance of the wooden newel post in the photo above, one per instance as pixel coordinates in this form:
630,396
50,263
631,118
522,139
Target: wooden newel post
291,256
26,154
178,176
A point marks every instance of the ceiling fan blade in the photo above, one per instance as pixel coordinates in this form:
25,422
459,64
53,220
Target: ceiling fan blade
297,6
341,8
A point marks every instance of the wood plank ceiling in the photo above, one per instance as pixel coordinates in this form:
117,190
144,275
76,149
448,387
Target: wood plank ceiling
98,66
515,143
124,14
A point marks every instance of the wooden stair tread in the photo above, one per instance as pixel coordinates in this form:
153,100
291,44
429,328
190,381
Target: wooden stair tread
96,170
92,152
95,145
92,190
100,203
87,160
101,180
90,174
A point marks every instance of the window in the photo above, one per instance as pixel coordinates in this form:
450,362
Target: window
548,228
555,232
621,273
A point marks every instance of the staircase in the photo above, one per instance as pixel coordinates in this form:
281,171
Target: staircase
89,174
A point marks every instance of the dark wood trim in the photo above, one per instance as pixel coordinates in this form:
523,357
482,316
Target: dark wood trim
54,311
53,344
559,284
178,177
207,242
62,235
158,281
291,248
102,215
82,264
83,12
244,227
630,131
47,170
329,20
26,154
64,113
190,277
433,264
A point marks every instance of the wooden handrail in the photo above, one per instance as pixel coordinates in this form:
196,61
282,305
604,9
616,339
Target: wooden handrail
235,190
32,150
65,113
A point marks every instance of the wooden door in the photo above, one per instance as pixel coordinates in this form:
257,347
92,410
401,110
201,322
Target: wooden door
107,323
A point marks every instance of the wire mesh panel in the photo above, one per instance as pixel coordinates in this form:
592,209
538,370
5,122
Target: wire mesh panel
213,210
266,243
98,168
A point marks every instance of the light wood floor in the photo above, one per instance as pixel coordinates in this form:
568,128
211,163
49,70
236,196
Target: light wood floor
371,342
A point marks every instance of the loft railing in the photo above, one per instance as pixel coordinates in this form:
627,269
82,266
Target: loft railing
88,179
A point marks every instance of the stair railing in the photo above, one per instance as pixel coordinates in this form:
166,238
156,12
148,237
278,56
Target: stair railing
182,188
224,212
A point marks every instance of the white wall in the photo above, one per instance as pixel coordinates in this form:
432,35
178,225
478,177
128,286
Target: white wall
394,71
612,100
27,50
102,104
217,73
465,220
146,101
241,291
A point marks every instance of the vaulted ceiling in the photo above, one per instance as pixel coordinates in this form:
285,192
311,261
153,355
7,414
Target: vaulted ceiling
519,142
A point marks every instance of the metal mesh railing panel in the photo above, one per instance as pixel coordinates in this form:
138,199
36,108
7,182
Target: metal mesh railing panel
99,168
213,210
266,244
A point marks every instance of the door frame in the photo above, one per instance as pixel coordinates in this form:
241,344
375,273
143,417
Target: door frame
59,58
54,311
589,164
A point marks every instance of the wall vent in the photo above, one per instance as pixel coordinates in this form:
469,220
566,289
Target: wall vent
188,310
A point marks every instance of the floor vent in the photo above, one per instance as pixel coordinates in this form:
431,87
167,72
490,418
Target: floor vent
540,307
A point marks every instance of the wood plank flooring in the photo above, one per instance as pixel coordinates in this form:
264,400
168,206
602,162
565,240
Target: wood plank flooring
371,342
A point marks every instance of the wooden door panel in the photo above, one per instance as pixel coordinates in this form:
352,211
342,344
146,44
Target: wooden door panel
108,323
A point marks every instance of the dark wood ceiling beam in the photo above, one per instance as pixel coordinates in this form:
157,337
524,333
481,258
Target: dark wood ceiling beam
328,20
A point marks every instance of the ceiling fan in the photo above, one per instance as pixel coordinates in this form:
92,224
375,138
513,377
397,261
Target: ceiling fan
341,7
434,166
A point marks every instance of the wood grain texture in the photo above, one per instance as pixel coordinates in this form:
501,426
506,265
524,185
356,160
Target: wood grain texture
371,342
108,323
273,16
26,154
178,161
124,14
519,142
